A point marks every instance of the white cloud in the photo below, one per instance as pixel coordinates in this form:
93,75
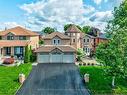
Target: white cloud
8,25
56,13
101,16
97,1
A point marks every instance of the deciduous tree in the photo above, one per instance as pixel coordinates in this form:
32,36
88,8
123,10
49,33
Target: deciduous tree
113,55
48,30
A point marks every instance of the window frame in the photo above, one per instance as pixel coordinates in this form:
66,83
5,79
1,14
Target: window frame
10,37
88,40
56,41
22,37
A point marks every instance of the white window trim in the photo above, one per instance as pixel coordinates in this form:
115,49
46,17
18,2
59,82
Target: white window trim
57,41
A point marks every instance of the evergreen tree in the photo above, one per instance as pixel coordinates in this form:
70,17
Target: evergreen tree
27,55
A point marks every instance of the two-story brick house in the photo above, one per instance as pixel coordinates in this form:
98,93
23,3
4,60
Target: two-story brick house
56,49
14,40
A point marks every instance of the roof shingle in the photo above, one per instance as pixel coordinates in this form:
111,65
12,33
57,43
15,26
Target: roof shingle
19,31
52,35
8,43
49,48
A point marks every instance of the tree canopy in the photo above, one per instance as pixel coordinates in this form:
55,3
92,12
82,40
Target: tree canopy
48,30
113,54
86,29
120,19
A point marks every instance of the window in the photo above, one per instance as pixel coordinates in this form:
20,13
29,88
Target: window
22,37
8,50
73,40
86,49
19,51
10,38
68,34
87,40
84,40
56,42
73,34
0,37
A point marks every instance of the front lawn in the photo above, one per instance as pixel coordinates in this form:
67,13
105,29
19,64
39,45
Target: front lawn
100,84
9,78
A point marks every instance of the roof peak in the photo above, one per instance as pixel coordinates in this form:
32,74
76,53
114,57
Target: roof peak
73,28
59,34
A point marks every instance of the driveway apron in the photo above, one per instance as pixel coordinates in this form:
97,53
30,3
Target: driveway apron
54,79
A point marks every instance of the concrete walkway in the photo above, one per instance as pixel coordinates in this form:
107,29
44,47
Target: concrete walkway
54,79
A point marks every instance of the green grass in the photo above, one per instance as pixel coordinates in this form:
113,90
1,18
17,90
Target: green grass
100,84
9,78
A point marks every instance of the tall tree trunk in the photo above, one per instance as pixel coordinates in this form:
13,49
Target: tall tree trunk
113,81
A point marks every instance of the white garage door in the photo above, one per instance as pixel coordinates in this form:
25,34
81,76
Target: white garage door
56,58
68,58
43,58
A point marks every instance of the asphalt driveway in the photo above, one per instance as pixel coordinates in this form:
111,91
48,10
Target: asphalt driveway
54,79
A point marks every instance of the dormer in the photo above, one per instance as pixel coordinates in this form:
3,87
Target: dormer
10,36
56,41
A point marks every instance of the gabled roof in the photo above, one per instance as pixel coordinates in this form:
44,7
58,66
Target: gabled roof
73,29
18,31
49,48
54,34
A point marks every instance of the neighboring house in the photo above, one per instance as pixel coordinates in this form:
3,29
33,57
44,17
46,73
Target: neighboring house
89,44
14,40
56,49
76,36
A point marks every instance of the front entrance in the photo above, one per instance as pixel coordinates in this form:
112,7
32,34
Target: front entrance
18,51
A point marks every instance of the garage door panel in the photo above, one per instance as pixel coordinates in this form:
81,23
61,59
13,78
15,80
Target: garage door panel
43,58
56,58
68,58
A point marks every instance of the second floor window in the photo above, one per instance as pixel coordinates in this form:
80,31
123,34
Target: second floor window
22,37
87,40
56,42
84,40
10,37
73,40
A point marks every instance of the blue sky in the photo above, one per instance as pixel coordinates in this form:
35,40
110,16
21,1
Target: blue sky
36,14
